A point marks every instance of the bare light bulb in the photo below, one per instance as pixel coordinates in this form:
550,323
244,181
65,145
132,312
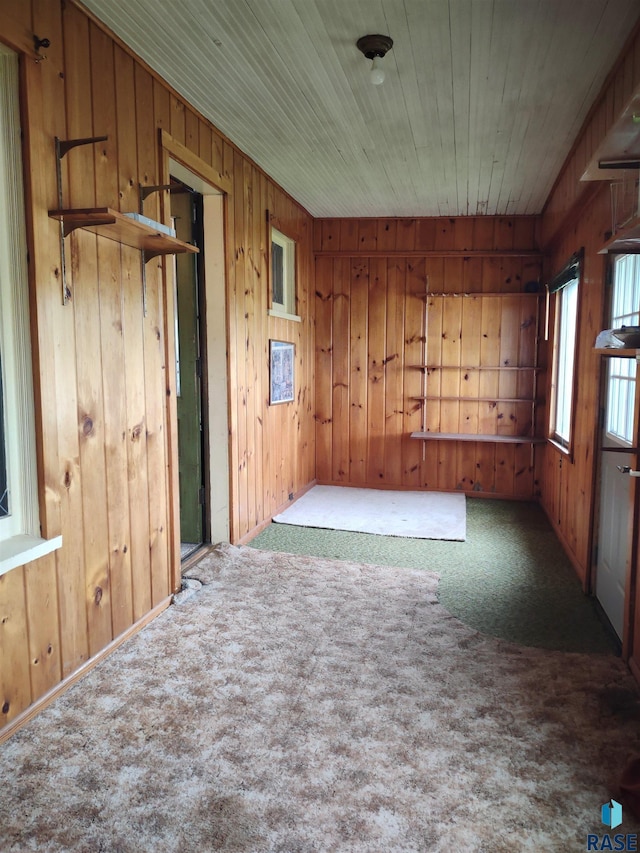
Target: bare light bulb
377,71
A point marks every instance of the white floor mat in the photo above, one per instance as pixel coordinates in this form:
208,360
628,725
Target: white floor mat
419,515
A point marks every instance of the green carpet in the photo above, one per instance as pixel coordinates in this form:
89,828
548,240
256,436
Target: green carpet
510,579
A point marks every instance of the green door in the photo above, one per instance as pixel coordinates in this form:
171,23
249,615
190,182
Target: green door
184,208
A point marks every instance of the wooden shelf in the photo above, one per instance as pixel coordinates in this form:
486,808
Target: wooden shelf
614,352
470,369
122,229
479,294
463,436
476,399
428,253
620,143
626,240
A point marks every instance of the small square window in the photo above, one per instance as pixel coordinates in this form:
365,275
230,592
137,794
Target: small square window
283,274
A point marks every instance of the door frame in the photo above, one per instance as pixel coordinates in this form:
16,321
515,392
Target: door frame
632,534
631,579
173,153
196,235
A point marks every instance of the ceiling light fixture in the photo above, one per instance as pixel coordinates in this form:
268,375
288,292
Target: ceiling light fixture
375,48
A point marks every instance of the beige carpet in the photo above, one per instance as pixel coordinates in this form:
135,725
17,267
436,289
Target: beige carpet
419,515
297,705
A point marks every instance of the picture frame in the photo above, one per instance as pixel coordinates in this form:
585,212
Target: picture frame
281,372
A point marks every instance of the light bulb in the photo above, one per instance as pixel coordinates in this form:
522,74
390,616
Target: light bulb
377,71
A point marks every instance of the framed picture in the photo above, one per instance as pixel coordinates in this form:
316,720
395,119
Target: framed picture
281,362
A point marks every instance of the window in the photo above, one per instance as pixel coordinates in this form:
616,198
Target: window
565,288
283,275
20,539
625,303
4,483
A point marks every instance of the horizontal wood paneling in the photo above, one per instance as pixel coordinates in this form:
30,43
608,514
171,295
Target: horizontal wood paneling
374,325
101,364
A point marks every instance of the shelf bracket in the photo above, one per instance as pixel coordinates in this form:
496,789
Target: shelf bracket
145,191
62,147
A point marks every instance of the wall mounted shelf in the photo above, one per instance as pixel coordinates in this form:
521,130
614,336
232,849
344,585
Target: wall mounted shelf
478,294
122,229
471,369
626,240
464,436
511,407
615,352
494,400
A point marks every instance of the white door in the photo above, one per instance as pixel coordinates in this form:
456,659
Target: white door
618,453
614,539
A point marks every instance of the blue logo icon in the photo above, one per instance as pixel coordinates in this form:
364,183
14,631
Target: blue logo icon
612,814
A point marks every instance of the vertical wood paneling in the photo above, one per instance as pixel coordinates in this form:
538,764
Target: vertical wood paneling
115,437
376,354
394,372
41,596
242,495
394,328
341,368
103,95
15,684
126,106
102,381
249,176
324,371
414,353
260,344
358,402
82,568
41,118
136,432
91,431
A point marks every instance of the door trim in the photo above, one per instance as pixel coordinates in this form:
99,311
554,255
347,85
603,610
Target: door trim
170,150
634,515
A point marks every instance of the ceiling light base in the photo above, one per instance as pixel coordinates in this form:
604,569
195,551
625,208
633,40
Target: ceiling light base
374,45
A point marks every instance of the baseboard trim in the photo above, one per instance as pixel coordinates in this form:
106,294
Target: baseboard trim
41,703
267,521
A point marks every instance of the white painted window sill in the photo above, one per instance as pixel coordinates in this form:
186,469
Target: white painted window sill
19,550
273,312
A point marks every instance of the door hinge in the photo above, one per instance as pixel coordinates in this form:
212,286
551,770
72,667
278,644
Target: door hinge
201,495
199,368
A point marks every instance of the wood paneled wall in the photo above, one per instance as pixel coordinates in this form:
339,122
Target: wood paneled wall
578,214
566,203
101,368
373,325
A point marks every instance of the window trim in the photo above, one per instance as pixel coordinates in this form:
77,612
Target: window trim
287,309
20,539
570,273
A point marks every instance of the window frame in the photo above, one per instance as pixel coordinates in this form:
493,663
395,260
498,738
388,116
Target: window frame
561,287
623,310
288,308
20,537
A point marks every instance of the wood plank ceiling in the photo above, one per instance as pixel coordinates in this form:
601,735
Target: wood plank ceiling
482,102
